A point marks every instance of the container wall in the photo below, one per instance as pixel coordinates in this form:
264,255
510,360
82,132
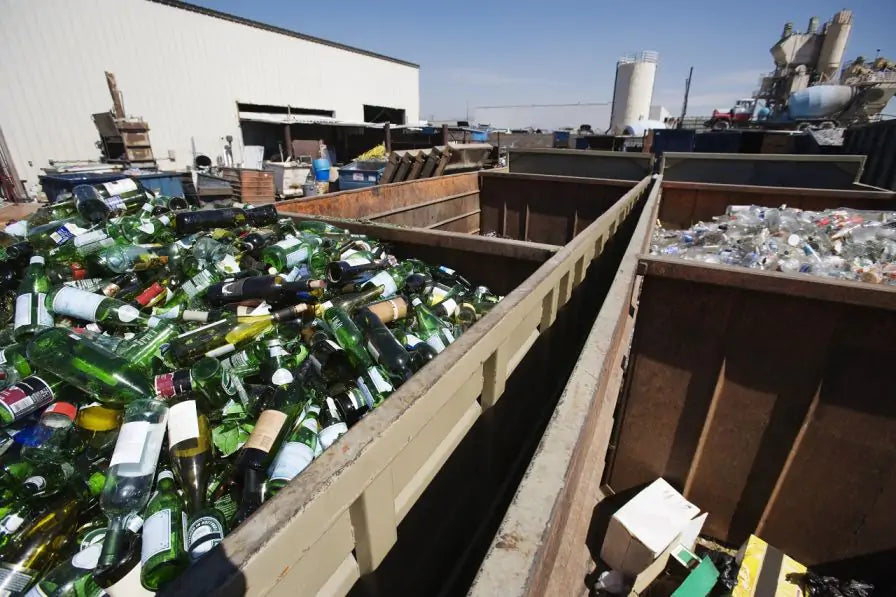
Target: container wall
448,203
802,171
543,209
684,204
878,142
617,165
341,517
767,399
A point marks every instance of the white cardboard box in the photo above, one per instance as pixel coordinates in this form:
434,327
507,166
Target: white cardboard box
643,529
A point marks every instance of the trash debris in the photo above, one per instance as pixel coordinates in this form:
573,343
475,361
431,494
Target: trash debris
611,581
815,585
842,243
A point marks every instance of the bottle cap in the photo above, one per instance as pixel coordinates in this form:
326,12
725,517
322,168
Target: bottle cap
165,474
98,418
63,408
37,259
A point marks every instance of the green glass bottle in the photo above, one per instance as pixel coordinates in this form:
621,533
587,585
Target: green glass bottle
189,440
206,376
99,202
27,396
74,576
17,516
284,255
31,310
430,328
55,432
383,346
297,451
130,258
391,279
192,289
111,378
140,229
162,556
98,308
332,423
131,470
141,350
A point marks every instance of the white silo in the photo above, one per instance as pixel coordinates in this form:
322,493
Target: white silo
835,37
633,91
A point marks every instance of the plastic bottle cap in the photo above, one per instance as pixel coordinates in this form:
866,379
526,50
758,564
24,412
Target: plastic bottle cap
165,474
37,259
63,408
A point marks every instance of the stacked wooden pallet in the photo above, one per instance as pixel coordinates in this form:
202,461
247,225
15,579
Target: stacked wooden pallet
250,186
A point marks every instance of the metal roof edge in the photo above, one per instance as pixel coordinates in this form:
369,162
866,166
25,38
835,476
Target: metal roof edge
274,29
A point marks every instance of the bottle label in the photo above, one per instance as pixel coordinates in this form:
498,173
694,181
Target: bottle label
93,241
61,235
355,259
132,438
173,383
198,283
87,284
77,303
277,350
436,342
295,257
449,306
365,392
183,422
120,187
410,340
94,537
281,377
288,242
266,430
331,434
43,316
147,227
87,558
11,523
23,310
147,208
233,287
448,335
2,356
14,581
37,481
145,297
26,396
382,386
236,362
373,351
291,460
127,313
156,534
226,505
202,535
384,279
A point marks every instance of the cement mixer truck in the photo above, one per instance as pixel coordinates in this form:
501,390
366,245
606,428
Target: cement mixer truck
821,106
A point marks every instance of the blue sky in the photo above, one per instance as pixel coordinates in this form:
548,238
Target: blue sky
527,51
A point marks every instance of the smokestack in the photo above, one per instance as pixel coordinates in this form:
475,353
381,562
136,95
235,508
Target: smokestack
788,30
813,25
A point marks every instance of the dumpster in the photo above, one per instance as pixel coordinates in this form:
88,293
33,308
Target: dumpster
55,185
342,516
763,396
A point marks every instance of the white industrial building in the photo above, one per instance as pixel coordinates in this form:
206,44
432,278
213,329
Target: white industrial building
187,71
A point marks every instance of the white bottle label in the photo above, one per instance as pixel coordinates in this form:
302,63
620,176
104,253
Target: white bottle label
331,434
183,422
436,343
23,310
77,303
379,381
43,316
10,523
296,257
202,535
291,460
450,307
156,534
356,260
384,279
132,438
147,227
448,335
411,340
119,187
14,581
87,559
128,313
281,377
198,283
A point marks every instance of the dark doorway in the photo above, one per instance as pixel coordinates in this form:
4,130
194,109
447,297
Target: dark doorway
383,114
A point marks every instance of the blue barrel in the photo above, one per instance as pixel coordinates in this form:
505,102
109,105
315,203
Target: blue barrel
321,169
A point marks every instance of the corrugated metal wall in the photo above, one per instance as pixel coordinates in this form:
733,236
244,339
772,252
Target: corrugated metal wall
182,71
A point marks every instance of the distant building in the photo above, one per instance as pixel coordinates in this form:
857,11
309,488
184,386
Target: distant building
659,113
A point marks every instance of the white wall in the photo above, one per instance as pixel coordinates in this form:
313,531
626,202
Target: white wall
181,71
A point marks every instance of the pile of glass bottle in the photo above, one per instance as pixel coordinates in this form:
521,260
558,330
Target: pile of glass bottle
165,370
837,243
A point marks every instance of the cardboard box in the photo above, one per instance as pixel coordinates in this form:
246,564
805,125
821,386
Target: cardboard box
763,571
647,527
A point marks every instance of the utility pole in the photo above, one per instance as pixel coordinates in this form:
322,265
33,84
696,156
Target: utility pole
687,92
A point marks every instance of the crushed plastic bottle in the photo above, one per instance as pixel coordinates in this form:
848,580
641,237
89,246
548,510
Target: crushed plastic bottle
840,243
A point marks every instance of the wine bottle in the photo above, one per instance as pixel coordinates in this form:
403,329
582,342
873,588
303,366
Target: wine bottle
298,449
189,441
88,306
99,202
392,279
391,309
278,417
130,258
27,396
273,289
208,219
85,365
383,346
289,252
31,311
332,424
131,471
162,555
54,436
432,330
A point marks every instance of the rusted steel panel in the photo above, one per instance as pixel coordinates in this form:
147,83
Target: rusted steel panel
685,203
361,203
585,163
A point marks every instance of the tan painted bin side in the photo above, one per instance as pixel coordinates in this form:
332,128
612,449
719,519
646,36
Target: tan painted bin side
318,536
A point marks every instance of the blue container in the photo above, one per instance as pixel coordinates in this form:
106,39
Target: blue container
718,142
672,140
163,183
55,185
359,175
321,169
478,136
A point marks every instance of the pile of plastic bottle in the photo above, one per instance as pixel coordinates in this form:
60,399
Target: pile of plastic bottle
841,243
